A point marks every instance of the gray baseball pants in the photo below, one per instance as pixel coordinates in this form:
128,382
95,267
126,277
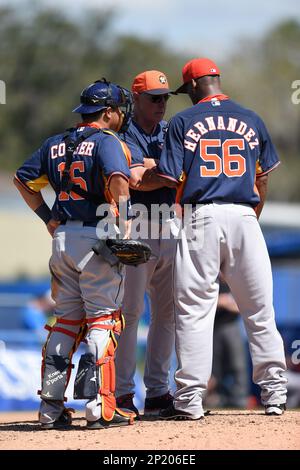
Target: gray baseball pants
156,278
84,285
229,240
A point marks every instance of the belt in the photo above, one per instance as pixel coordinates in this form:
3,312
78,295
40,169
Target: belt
85,223
200,203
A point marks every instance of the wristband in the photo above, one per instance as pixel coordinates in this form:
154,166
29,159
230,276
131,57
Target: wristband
44,213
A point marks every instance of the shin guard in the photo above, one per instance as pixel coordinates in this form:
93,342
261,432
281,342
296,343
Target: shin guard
106,363
56,369
86,382
108,381
55,377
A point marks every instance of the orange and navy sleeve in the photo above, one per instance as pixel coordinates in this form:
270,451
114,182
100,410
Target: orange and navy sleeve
268,159
137,157
171,161
114,157
31,175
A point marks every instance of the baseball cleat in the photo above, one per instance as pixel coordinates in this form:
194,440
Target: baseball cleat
126,403
154,405
63,422
275,410
172,414
117,420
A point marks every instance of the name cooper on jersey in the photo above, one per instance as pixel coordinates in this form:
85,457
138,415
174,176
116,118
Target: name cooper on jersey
85,148
214,123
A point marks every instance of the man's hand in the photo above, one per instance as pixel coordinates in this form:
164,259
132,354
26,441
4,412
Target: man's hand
261,185
144,179
150,163
52,225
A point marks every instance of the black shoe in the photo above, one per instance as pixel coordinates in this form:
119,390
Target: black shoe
172,414
118,420
275,410
154,405
63,422
125,402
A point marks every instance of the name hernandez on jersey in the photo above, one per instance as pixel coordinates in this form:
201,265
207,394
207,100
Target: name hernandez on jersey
218,149
220,123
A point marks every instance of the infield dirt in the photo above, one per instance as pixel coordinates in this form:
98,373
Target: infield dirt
220,430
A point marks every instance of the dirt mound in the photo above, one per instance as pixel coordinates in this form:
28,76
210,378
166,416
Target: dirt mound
220,430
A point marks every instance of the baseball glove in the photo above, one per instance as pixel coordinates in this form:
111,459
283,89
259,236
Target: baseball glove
130,252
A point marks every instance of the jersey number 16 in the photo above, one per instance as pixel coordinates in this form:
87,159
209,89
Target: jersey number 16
75,166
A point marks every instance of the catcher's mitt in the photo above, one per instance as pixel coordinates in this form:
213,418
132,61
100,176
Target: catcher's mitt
130,252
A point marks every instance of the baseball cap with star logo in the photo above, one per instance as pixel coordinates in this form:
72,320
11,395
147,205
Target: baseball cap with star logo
197,68
152,82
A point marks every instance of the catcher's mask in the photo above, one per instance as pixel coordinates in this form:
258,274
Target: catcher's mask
103,94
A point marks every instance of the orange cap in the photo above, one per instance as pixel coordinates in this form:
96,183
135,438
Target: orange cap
152,82
197,68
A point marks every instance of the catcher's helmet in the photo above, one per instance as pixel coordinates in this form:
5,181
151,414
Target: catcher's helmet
103,94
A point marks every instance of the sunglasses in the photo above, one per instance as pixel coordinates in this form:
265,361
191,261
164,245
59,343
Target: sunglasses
158,98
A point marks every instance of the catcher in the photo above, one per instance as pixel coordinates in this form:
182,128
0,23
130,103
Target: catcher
88,289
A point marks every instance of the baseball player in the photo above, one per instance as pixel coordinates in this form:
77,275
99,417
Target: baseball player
88,289
220,150
145,137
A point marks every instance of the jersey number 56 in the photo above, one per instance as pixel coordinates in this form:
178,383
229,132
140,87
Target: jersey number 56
230,164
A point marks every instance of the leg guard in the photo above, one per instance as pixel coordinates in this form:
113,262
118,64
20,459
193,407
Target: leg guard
55,377
108,379
105,365
86,382
56,369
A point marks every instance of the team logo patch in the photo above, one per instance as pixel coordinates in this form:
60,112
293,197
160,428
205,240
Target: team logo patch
215,102
162,79
213,70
